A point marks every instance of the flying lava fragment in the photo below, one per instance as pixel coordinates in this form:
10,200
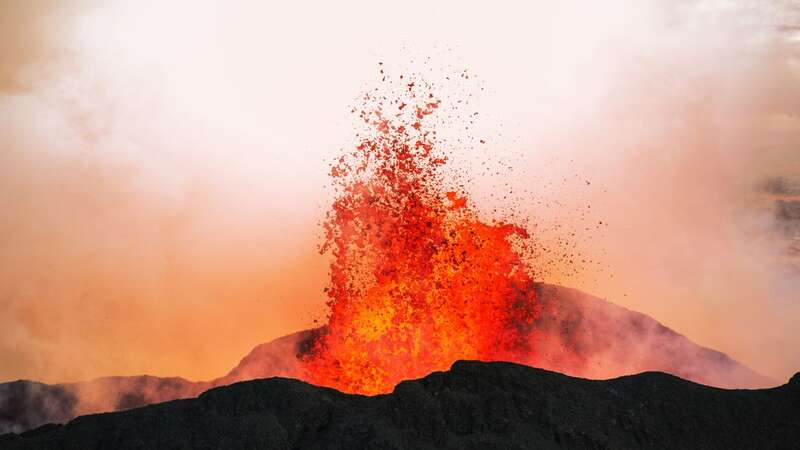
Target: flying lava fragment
417,281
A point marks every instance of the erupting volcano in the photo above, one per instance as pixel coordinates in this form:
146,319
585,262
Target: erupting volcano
418,281
415,226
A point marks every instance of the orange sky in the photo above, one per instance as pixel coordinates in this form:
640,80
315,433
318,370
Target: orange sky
163,167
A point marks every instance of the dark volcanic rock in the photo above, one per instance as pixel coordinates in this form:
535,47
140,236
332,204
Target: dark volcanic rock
473,406
27,404
585,336
577,334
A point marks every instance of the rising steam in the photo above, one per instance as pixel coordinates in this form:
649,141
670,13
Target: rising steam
159,181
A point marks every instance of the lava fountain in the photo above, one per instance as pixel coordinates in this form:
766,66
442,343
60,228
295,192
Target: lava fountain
417,281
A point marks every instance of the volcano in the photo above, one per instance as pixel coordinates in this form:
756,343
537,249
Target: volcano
419,278
582,336
474,405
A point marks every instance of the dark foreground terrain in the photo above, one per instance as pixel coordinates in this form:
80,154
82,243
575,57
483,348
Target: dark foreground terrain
577,334
474,405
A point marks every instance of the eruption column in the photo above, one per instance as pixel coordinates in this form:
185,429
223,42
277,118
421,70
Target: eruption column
417,280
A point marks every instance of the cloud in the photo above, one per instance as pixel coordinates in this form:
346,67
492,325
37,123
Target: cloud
31,40
162,164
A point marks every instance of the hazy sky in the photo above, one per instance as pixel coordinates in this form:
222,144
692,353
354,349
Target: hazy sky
163,163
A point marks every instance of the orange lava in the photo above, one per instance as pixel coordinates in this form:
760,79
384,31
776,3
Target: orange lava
417,280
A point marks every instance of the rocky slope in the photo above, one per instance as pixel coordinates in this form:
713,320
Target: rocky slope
577,334
474,405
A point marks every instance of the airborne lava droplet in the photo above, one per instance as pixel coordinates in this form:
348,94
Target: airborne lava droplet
417,280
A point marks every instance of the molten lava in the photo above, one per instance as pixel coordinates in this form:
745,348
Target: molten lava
417,280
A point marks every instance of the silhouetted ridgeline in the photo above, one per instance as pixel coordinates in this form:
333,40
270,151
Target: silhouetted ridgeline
473,406
577,334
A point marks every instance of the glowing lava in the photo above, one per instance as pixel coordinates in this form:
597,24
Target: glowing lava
417,280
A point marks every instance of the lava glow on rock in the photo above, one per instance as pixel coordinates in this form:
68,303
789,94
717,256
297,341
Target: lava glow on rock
417,280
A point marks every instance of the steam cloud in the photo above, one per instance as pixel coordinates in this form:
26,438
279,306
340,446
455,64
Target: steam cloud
159,192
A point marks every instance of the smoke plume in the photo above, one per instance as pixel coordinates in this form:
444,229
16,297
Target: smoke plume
162,165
